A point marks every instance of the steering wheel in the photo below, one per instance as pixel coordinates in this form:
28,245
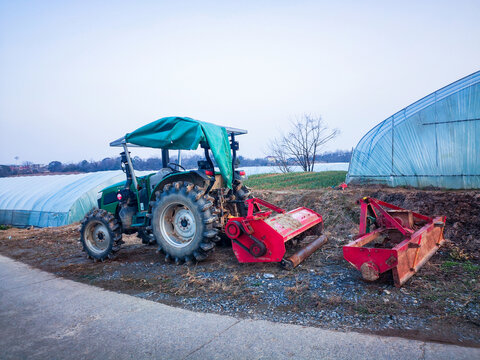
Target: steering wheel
178,166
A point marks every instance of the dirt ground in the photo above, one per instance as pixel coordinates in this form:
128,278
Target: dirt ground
440,303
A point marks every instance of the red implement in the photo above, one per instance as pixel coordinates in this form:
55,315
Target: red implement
402,241
261,235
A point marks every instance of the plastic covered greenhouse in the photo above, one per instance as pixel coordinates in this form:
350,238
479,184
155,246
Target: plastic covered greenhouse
433,142
52,200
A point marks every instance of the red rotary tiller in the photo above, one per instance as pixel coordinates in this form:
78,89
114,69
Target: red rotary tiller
402,241
261,235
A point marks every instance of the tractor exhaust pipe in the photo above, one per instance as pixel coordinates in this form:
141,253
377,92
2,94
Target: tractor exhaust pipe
294,260
128,168
128,173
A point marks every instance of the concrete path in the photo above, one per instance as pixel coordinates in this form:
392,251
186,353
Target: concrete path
45,317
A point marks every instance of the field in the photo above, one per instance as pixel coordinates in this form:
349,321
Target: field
440,303
297,180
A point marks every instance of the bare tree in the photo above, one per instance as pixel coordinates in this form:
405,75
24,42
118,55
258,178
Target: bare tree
277,151
307,136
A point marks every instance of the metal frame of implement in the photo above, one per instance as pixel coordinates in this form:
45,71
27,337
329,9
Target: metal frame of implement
403,241
261,235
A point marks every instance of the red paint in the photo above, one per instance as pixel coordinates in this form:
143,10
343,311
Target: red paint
403,264
261,225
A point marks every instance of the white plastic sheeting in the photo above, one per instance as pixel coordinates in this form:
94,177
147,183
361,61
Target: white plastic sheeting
52,200
433,142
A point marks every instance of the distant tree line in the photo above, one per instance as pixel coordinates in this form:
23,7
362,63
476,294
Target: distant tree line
335,156
152,163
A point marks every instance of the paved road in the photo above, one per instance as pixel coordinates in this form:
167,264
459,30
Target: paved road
45,317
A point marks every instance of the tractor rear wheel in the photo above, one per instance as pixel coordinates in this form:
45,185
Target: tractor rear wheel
241,193
183,222
100,234
147,237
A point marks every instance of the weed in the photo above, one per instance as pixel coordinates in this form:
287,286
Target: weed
432,297
449,266
471,267
362,310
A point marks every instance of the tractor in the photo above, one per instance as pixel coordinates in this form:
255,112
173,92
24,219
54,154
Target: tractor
182,211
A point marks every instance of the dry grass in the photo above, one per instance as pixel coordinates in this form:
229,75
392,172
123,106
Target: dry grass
300,287
334,300
459,254
194,283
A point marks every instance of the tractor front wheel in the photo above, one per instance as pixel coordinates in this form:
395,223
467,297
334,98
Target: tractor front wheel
100,234
183,223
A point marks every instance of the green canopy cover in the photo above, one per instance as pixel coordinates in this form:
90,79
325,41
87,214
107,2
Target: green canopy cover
183,133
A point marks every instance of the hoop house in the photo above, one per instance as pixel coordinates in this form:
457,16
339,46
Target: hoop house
433,142
53,200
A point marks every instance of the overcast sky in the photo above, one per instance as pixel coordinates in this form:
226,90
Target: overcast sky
75,75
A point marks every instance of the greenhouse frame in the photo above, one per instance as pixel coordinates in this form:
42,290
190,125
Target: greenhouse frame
434,142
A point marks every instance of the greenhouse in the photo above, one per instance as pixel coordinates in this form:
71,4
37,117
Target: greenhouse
433,142
52,200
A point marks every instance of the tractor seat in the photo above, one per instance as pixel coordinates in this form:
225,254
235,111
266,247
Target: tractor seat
159,176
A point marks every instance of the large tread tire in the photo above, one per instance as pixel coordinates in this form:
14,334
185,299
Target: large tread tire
240,192
183,196
147,237
99,223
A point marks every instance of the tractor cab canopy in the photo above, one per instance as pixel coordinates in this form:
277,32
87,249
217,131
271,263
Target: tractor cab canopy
183,133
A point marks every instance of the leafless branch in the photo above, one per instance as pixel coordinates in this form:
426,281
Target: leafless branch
306,138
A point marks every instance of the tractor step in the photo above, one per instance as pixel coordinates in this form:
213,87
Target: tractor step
403,241
261,235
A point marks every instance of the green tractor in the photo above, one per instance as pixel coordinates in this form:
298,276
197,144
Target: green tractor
182,211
